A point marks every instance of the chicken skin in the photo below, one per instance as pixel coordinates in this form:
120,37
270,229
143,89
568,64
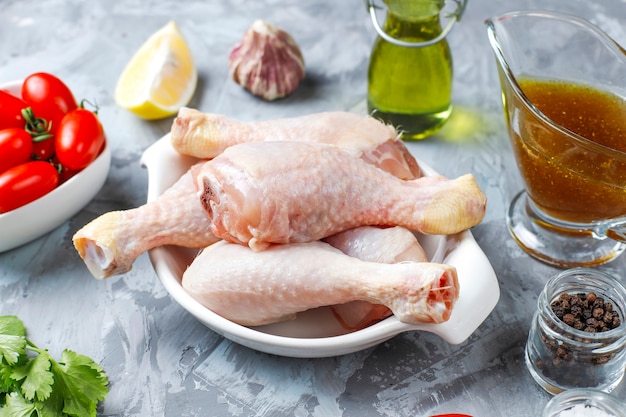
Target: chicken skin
206,135
300,192
256,288
373,244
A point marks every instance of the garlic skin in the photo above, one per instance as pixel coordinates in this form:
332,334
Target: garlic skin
267,62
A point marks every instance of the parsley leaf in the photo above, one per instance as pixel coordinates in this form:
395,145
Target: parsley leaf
31,381
84,381
36,376
17,406
12,339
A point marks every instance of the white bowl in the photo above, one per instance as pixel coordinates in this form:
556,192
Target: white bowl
317,333
39,217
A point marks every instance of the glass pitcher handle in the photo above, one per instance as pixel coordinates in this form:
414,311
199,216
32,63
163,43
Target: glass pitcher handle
454,17
617,232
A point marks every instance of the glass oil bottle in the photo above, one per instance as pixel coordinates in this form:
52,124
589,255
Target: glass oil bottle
410,71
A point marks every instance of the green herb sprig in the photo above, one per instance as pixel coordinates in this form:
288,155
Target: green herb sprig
32,383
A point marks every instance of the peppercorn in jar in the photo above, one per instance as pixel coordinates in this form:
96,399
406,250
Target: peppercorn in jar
577,339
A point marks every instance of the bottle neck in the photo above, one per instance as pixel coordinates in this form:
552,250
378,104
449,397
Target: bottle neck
415,9
416,27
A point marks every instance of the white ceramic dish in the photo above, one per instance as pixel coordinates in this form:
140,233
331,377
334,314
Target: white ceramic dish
39,217
316,333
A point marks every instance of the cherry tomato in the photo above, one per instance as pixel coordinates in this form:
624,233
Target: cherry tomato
49,97
26,182
16,147
11,111
44,149
64,172
79,139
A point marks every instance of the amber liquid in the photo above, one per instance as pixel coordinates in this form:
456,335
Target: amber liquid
569,179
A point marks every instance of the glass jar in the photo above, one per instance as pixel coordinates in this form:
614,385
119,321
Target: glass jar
560,356
590,402
410,70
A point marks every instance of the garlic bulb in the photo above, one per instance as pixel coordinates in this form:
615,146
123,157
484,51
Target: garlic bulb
267,62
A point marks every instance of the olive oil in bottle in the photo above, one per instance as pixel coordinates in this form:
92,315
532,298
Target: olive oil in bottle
410,87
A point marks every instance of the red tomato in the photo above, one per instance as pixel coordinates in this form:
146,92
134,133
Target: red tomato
44,149
64,172
11,110
25,183
49,97
16,147
79,139
452,415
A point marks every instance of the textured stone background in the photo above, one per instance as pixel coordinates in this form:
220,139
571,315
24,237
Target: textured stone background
160,360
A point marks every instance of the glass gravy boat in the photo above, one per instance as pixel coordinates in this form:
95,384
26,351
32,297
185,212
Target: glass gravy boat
571,153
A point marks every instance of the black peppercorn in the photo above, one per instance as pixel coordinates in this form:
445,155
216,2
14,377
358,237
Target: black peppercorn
574,339
589,313
586,312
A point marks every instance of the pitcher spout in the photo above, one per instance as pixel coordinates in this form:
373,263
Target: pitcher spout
555,45
563,83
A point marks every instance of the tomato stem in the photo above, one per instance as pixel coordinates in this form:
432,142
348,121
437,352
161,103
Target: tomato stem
58,166
37,127
94,105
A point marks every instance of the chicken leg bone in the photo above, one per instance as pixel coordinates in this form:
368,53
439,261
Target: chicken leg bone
373,244
110,243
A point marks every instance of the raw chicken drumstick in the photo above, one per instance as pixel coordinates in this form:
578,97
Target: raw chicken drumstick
373,244
110,243
206,135
387,245
300,192
256,288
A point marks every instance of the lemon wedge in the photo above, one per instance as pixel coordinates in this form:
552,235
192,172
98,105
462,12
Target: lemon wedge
160,78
